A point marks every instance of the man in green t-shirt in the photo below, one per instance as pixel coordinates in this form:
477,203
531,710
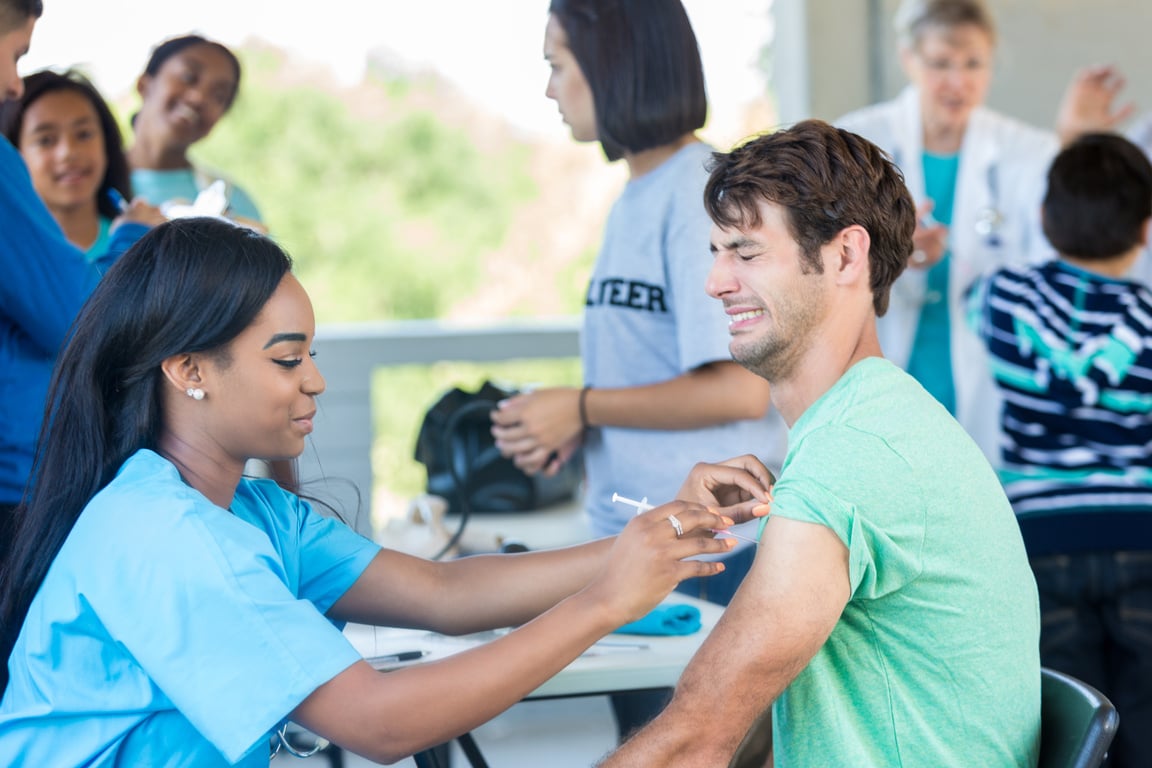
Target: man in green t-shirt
890,617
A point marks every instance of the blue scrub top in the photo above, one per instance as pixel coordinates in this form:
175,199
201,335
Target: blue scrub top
171,632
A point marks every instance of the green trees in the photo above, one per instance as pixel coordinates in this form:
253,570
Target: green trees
388,210
394,206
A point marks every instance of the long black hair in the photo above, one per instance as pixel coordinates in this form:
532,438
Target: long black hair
44,82
189,285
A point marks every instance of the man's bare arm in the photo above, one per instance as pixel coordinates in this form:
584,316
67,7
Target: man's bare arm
783,612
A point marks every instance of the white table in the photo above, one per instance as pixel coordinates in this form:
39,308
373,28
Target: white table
617,664
559,525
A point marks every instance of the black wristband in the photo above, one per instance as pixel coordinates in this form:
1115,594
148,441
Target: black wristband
584,407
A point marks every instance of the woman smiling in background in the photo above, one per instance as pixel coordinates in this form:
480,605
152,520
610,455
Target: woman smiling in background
188,85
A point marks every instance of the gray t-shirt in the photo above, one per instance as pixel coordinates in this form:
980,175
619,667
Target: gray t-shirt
648,319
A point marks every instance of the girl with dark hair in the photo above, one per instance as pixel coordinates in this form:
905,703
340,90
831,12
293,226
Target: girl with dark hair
189,83
46,279
71,144
661,388
159,606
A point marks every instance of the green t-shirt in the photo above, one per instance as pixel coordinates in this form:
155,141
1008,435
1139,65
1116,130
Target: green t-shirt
935,659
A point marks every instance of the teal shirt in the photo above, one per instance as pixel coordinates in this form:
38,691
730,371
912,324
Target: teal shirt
930,361
182,185
934,661
102,241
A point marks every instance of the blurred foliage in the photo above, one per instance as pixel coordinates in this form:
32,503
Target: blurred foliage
421,386
387,210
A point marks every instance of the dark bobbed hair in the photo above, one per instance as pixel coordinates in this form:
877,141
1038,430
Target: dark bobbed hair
642,63
189,285
1099,197
169,48
826,179
116,175
15,13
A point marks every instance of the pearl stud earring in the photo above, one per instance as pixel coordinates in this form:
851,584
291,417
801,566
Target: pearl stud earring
195,393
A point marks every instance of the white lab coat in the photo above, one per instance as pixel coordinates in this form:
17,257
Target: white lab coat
1140,134
1003,167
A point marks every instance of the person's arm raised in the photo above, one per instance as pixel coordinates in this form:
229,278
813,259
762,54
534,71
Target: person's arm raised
1089,103
388,716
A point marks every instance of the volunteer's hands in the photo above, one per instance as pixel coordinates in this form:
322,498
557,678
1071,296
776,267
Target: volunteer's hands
539,430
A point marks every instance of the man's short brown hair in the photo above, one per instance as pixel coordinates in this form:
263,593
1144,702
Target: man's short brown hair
826,179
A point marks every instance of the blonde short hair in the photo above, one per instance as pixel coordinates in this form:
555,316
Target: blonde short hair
914,17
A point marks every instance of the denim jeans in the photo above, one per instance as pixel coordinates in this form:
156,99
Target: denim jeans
1096,625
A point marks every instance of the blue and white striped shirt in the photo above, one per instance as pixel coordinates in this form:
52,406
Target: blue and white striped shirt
1071,352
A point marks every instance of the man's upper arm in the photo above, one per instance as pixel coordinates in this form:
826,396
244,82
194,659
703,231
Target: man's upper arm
782,614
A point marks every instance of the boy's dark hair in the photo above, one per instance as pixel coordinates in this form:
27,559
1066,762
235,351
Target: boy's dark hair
1099,197
826,179
15,13
642,63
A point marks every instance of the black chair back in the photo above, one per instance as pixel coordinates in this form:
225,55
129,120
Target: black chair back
1077,722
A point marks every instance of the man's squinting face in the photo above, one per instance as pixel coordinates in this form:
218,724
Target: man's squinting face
774,299
13,45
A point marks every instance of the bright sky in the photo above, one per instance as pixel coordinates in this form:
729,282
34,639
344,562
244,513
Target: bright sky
493,48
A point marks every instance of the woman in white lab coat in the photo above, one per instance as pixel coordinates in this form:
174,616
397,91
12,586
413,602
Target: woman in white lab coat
977,178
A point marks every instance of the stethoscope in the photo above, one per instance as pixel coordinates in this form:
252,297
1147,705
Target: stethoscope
989,219
989,227
279,738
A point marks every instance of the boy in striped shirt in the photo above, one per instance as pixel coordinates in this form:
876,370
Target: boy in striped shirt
1070,344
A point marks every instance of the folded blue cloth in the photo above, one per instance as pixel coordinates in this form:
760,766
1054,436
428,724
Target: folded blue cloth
666,620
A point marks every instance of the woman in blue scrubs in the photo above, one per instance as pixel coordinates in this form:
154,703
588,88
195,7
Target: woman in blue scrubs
158,608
